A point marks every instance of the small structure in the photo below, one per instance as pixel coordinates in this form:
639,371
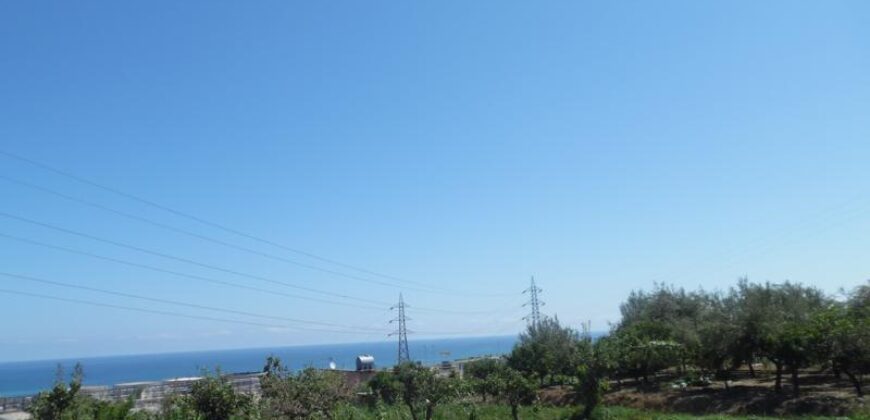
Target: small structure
365,363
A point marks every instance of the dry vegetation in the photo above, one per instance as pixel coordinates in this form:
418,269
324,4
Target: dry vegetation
822,395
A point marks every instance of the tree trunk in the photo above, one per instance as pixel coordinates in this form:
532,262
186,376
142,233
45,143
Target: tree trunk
430,409
515,412
794,382
587,410
855,382
751,369
778,386
723,375
411,409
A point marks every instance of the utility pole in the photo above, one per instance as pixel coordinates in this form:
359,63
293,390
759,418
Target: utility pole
402,332
535,316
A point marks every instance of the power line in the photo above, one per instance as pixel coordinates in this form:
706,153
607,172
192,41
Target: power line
226,228
179,303
201,264
381,306
180,274
346,329
159,312
201,236
184,260
510,317
453,312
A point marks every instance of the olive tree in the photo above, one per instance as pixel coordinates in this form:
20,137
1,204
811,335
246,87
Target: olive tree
718,337
213,398
546,349
385,386
481,375
787,338
309,394
515,388
845,334
422,391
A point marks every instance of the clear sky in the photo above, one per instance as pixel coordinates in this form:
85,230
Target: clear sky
600,146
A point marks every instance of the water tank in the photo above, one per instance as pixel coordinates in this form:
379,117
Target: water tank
365,362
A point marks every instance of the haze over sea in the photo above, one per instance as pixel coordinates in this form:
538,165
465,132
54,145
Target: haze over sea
24,378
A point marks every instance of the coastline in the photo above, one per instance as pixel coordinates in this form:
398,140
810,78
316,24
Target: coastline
29,377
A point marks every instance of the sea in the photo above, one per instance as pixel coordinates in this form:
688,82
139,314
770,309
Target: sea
31,377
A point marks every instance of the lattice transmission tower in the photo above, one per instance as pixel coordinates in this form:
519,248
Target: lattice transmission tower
534,317
402,331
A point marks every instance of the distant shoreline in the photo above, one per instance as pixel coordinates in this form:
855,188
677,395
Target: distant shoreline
74,359
29,377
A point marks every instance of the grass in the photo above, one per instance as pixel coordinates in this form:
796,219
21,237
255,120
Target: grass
457,412
620,413
500,412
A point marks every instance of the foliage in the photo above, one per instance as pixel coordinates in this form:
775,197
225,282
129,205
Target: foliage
593,375
546,350
785,336
212,398
421,390
65,401
310,394
701,335
844,333
718,337
715,332
60,402
481,375
514,388
659,330
386,387
645,348
454,411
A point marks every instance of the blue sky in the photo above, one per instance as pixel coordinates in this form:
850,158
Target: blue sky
600,146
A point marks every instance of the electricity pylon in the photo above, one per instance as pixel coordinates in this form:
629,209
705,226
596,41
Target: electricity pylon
402,332
534,317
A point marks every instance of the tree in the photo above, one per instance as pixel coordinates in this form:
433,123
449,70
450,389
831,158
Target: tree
65,402
513,387
592,374
59,403
422,390
660,329
310,394
787,338
211,398
546,349
844,330
751,308
646,349
481,374
386,387
718,334
111,410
